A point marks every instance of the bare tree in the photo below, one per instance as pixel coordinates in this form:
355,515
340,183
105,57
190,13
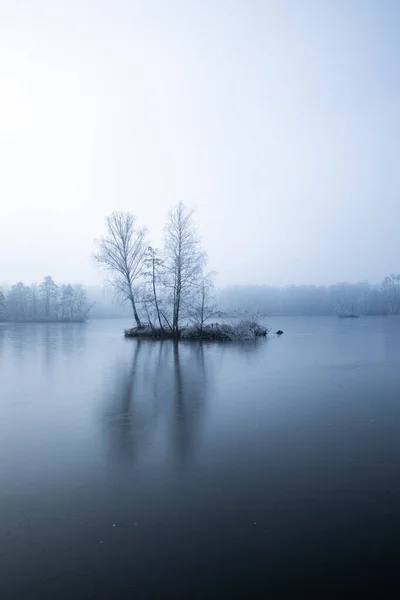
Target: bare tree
45,302
79,308
202,305
391,291
122,253
3,310
184,259
49,293
67,301
18,302
34,299
154,265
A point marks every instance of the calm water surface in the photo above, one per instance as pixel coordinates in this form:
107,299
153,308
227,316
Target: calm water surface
152,470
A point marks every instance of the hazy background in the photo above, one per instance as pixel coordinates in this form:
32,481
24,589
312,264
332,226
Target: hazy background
277,120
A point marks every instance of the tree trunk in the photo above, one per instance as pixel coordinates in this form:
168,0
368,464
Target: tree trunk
177,304
202,309
138,321
155,296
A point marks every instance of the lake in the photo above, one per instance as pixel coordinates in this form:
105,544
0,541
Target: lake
140,469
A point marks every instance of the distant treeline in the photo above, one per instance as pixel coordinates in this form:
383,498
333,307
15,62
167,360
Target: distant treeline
50,302
342,298
44,302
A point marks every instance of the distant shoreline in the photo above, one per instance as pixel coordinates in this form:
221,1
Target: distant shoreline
37,321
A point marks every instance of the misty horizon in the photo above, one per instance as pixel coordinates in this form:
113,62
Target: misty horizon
277,122
107,287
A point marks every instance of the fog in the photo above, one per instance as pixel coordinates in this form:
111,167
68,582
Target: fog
277,121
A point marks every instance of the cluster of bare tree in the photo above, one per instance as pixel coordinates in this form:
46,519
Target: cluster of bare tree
164,287
391,292
342,298
44,302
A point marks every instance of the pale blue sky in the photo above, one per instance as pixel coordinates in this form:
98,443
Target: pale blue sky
277,120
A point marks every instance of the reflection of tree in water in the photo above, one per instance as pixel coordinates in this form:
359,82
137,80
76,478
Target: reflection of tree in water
156,382
68,338
248,347
189,392
2,338
129,419
44,339
50,341
73,337
21,338
391,339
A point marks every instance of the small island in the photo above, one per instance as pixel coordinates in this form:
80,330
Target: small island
170,291
221,332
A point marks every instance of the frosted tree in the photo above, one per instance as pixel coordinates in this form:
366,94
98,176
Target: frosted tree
184,260
391,291
202,306
122,252
67,301
153,291
18,302
79,307
33,300
3,310
49,294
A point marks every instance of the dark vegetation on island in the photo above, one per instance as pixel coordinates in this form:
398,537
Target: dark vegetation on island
221,332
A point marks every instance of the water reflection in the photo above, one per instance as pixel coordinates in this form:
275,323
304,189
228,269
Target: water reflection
73,337
189,400
156,403
2,337
257,453
49,343
20,337
390,334
127,420
44,340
